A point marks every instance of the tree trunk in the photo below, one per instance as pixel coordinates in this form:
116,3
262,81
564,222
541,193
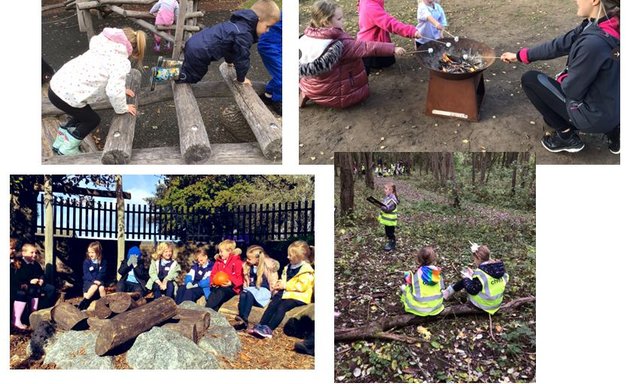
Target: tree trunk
101,308
130,324
200,317
346,184
373,329
96,324
188,329
369,175
120,302
67,316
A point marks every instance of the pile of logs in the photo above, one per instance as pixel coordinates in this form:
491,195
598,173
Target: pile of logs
120,317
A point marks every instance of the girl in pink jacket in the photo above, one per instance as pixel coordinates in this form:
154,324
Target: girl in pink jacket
375,24
165,12
331,71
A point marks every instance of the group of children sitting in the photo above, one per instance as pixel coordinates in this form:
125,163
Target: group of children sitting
100,73
423,292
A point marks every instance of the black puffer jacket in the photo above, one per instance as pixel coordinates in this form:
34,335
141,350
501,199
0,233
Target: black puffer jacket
493,268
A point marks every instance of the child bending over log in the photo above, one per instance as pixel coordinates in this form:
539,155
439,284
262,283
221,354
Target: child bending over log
422,291
163,271
261,274
485,284
94,269
226,277
295,288
231,40
97,75
197,280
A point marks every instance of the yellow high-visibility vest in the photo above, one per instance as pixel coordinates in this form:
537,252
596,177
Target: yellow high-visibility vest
491,295
423,299
389,219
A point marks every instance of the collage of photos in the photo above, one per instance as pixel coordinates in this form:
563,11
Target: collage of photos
456,164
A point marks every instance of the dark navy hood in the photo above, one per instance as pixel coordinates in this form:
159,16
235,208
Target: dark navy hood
250,17
494,268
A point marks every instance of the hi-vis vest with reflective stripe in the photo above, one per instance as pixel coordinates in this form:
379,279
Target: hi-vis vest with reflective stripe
423,299
491,295
389,219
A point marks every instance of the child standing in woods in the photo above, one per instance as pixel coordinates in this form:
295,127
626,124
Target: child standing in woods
485,284
163,271
260,274
97,75
228,261
431,21
295,288
94,270
422,291
165,12
197,280
389,215
28,278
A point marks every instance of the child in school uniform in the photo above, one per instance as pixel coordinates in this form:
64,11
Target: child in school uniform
94,271
28,278
422,291
228,261
431,21
231,40
163,271
197,280
295,288
485,284
388,216
261,273
133,274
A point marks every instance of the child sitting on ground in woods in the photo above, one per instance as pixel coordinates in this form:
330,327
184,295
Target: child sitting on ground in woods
163,271
133,274
388,216
165,12
231,40
28,279
485,284
94,270
431,21
229,261
97,75
197,280
422,291
295,288
260,273
331,71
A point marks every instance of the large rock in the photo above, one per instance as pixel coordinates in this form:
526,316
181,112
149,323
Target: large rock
75,350
162,348
35,318
221,341
216,318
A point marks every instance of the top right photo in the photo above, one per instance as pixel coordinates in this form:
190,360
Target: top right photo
461,75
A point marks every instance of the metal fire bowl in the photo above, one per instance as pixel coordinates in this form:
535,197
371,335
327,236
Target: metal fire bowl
430,60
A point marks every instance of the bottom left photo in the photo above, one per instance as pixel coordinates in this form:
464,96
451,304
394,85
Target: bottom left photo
162,272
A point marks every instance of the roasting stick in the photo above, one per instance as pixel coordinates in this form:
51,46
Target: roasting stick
448,44
456,38
430,50
465,57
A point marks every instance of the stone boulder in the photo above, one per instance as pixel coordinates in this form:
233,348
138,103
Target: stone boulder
76,350
221,341
162,348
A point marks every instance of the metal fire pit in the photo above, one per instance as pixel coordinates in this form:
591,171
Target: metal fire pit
455,94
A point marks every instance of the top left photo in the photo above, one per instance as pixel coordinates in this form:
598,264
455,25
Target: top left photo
161,82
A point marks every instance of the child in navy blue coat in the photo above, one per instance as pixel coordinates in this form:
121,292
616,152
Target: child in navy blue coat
197,280
133,273
94,269
231,40
270,51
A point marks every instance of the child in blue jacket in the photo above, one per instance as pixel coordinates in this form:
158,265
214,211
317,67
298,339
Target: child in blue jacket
270,51
197,280
231,40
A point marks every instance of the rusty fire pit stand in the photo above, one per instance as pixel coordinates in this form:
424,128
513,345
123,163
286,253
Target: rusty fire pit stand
455,98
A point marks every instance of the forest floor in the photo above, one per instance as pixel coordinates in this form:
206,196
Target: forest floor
393,118
156,124
448,349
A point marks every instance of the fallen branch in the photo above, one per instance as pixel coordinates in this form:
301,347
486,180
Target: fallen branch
376,329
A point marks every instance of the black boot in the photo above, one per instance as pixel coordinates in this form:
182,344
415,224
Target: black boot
307,346
390,246
84,304
242,324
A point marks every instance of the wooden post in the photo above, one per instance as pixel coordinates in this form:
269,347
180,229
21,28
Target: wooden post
266,127
66,315
85,20
49,234
185,328
119,141
193,138
202,318
179,30
120,224
130,324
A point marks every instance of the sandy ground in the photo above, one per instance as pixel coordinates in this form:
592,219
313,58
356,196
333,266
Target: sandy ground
157,123
393,118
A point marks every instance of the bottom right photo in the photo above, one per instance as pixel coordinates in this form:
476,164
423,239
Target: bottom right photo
435,267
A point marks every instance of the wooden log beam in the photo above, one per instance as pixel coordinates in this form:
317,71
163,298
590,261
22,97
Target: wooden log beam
228,153
67,316
376,328
96,324
119,142
101,308
193,138
130,324
179,30
188,329
202,317
120,302
53,6
140,22
162,92
95,4
187,28
266,127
